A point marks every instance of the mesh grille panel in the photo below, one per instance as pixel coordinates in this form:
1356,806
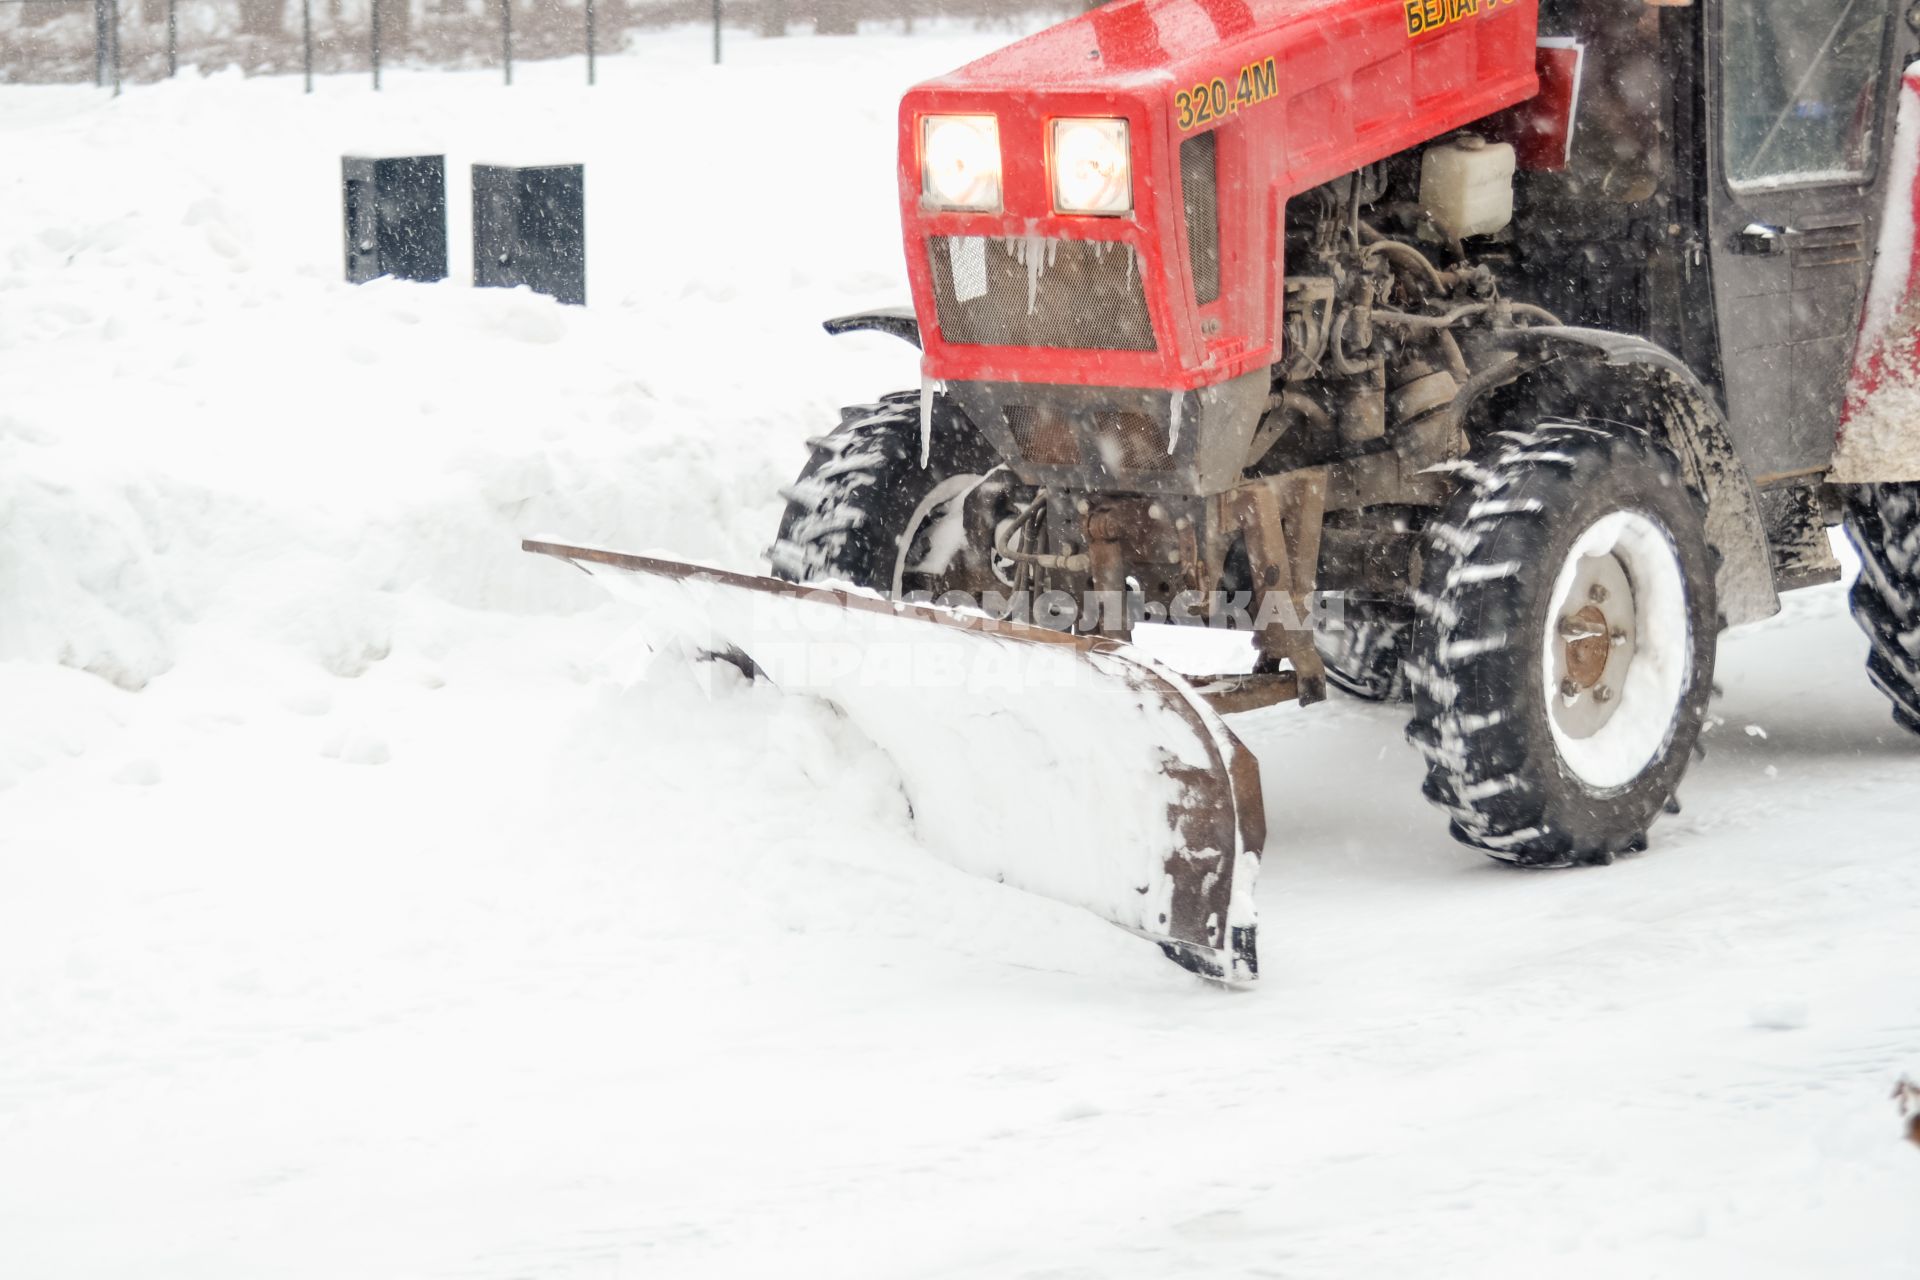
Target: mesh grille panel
1200,189
1131,442
1085,294
1044,437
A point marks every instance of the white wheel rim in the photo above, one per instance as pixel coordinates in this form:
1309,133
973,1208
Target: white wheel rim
1617,655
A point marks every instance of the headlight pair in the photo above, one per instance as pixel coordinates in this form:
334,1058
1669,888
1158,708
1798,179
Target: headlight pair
1090,160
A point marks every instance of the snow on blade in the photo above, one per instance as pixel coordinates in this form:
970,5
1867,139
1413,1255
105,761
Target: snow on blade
1069,767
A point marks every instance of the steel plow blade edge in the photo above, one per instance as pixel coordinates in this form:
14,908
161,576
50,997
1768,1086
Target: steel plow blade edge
1068,766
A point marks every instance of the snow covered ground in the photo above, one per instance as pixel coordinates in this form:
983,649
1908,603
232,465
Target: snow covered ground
364,913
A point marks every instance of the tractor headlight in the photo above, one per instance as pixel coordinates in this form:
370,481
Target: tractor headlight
1092,167
960,161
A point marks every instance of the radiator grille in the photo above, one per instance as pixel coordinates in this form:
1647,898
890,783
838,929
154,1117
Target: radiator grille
1131,442
1199,187
1038,292
1043,436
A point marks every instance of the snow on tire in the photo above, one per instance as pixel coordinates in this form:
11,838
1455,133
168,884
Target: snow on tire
1562,652
855,509
1884,523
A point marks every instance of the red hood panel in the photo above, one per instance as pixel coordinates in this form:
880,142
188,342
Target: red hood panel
1120,44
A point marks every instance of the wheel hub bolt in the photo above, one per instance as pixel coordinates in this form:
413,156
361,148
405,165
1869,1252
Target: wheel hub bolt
1597,593
1569,688
1619,636
1603,694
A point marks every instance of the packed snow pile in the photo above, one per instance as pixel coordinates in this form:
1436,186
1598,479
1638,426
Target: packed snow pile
375,904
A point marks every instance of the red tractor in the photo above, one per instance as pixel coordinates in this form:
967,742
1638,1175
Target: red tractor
1486,354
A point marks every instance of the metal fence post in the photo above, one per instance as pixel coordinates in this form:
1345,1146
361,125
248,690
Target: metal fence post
506,38
589,4
376,45
173,40
306,40
99,44
716,32
114,34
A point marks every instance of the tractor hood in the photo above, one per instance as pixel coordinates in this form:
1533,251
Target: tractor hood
1133,43
1222,109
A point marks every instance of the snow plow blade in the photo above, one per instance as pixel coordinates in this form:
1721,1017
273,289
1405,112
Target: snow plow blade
1069,766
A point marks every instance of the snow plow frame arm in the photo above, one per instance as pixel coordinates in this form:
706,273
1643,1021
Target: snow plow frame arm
680,570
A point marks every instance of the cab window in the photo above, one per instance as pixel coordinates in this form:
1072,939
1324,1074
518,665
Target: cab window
1802,82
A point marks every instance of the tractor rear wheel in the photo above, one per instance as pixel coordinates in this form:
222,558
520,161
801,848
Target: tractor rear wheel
1884,522
1563,650
864,510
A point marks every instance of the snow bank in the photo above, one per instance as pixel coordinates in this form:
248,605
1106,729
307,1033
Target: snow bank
202,422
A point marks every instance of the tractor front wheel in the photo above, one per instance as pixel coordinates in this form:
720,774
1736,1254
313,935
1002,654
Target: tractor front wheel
1563,647
866,510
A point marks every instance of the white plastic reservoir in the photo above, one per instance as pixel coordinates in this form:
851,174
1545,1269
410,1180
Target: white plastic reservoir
1467,185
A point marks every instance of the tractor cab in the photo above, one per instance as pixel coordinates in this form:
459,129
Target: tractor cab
1720,189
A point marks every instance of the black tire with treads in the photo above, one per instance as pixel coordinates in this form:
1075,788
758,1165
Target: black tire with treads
1475,659
1884,523
851,504
1362,643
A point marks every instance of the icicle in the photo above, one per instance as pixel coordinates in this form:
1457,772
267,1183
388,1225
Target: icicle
929,387
1038,256
1173,430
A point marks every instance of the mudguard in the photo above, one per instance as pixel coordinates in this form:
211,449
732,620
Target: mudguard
899,322
1069,766
1599,375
